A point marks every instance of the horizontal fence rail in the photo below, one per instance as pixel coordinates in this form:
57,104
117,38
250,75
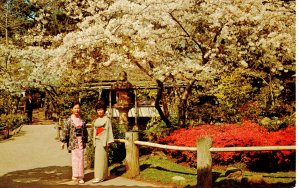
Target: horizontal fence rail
224,149
182,148
253,148
203,149
120,140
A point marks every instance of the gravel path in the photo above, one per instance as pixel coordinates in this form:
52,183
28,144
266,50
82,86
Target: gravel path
33,158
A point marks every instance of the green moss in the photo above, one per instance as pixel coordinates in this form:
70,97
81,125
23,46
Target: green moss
158,168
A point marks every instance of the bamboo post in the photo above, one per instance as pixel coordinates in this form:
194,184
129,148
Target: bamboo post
135,127
204,163
132,155
110,106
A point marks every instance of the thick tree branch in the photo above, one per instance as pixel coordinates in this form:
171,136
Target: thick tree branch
148,73
159,92
203,49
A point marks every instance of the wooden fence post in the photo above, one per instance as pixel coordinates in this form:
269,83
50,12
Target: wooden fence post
7,130
204,163
58,128
132,155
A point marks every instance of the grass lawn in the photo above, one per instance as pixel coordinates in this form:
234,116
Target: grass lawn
157,168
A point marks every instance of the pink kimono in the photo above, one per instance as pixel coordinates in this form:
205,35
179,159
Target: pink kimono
78,152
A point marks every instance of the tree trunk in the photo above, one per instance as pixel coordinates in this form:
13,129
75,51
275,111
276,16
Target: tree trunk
157,106
181,113
6,36
165,106
183,104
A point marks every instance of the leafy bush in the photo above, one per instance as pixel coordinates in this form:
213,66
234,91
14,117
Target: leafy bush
271,124
234,135
155,129
6,102
12,121
117,151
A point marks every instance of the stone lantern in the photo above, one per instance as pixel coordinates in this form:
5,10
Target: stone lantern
124,99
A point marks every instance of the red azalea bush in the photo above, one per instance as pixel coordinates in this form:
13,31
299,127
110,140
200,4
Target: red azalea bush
237,135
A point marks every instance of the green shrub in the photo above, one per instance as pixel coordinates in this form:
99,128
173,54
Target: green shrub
156,128
12,121
271,124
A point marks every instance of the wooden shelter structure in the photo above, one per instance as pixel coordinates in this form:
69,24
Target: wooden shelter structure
121,97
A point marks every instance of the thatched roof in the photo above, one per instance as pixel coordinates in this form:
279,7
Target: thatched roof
109,75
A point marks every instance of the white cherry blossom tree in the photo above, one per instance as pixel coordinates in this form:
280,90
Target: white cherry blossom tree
171,41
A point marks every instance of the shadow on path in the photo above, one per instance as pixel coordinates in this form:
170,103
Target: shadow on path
13,137
38,177
52,176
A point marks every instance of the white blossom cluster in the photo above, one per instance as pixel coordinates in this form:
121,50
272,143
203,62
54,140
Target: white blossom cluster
184,39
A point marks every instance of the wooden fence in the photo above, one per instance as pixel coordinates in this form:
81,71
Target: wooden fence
204,159
203,149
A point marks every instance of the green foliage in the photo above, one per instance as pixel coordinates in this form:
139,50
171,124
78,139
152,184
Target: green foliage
117,152
272,124
19,17
245,96
146,95
156,128
289,120
203,109
7,102
233,91
159,169
118,133
88,102
64,98
63,101
12,121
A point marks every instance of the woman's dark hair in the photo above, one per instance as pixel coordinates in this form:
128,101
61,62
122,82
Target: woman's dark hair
100,105
75,103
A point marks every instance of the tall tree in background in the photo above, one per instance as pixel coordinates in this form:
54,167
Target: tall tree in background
17,18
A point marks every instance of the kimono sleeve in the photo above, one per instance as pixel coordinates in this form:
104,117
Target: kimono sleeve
65,132
110,136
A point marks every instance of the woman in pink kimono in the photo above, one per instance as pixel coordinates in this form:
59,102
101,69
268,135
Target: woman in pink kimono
75,134
103,136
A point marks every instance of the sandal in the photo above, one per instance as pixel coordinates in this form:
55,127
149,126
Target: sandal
97,180
81,181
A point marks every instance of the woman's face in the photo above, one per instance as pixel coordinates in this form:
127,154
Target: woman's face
100,112
76,110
